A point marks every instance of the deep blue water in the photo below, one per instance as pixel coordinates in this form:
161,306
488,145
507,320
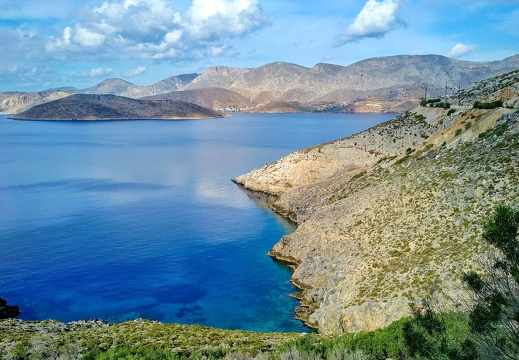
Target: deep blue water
120,220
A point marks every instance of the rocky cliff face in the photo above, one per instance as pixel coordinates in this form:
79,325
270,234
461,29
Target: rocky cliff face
393,214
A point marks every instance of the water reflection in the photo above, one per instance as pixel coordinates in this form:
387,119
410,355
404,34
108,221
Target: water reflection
264,201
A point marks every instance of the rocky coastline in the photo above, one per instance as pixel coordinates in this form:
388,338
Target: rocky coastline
393,214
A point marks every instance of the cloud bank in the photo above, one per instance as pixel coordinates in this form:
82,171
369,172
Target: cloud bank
374,20
153,29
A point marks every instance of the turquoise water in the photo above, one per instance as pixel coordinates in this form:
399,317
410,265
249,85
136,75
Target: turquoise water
139,219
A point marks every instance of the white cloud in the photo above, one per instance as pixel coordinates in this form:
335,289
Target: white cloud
99,72
86,37
216,19
134,72
459,50
152,29
374,21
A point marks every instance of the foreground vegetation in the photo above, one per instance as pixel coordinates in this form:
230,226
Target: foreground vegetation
142,339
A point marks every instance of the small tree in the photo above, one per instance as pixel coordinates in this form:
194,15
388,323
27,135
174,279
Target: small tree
494,319
434,335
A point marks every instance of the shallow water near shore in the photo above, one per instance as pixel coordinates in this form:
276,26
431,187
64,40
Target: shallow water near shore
139,219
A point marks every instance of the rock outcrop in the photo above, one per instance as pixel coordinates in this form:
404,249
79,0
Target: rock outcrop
393,214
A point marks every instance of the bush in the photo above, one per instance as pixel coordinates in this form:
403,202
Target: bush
495,317
488,105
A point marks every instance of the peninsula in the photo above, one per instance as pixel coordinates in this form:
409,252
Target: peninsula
394,214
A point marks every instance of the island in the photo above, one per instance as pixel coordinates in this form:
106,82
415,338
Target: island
112,107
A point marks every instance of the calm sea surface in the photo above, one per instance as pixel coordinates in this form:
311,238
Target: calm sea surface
139,219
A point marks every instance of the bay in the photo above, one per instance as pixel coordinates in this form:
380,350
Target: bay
139,219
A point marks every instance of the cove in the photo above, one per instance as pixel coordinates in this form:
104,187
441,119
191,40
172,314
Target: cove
139,219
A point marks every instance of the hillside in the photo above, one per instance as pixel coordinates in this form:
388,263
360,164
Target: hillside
213,98
394,214
16,102
110,107
385,84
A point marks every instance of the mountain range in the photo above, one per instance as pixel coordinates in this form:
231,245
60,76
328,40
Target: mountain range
383,84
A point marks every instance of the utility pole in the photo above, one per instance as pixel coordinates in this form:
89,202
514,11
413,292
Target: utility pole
424,86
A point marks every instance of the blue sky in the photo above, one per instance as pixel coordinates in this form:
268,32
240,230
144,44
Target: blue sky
55,43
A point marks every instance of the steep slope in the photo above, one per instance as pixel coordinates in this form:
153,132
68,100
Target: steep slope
394,214
110,107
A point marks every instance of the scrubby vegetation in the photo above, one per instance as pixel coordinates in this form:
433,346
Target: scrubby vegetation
488,105
435,103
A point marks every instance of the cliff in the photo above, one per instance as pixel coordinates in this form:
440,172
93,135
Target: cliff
394,214
110,107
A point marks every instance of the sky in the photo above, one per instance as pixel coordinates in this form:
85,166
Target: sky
59,43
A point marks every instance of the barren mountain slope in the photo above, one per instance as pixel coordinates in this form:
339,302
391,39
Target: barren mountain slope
213,98
388,81
394,214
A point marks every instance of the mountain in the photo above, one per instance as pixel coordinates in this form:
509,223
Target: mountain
113,86
121,87
16,102
394,214
111,107
384,84
211,97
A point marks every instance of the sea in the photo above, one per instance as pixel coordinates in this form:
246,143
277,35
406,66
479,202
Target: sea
119,220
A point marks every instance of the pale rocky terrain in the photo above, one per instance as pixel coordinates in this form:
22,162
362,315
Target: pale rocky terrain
385,84
394,214
15,102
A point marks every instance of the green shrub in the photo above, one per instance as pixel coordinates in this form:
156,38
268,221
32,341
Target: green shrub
488,105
